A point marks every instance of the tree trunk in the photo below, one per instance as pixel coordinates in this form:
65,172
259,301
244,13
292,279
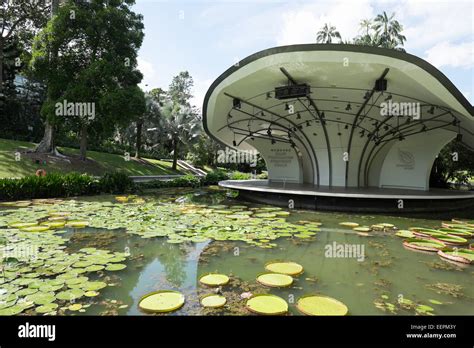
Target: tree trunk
47,143
138,144
1,67
175,153
83,143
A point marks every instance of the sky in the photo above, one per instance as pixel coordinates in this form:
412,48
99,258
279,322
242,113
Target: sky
207,37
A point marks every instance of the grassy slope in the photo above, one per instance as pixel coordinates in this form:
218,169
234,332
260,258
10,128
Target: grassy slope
99,164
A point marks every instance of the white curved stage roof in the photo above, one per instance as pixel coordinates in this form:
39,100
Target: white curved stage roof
338,134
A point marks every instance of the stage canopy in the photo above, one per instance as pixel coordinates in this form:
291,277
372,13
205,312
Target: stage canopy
339,115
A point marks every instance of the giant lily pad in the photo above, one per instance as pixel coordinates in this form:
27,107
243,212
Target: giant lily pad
423,244
161,301
459,255
213,301
214,279
267,304
276,280
320,305
289,268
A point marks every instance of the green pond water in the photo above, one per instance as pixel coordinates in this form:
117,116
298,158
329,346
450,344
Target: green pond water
159,238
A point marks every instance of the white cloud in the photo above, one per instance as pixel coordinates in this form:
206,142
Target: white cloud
302,24
428,23
454,55
199,91
149,74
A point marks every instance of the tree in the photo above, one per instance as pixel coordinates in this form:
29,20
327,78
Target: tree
95,66
388,31
327,33
181,125
150,115
15,15
455,163
368,37
180,88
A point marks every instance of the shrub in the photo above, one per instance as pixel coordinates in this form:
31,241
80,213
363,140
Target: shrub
214,177
239,176
51,185
186,181
116,182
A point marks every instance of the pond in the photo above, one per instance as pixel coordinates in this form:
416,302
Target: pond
100,255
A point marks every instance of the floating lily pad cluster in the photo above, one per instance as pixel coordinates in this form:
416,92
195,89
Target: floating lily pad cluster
164,218
37,275
449,242
404,304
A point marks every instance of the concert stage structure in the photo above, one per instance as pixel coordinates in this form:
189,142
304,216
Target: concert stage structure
347,126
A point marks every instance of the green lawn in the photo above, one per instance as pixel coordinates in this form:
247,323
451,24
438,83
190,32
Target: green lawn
97,164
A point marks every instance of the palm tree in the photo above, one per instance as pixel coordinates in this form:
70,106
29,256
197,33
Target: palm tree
367,38
388,31
366,25
181,125
327,33
150,115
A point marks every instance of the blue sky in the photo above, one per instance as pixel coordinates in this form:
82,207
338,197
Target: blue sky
206,37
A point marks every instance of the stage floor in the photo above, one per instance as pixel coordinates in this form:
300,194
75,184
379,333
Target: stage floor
374,199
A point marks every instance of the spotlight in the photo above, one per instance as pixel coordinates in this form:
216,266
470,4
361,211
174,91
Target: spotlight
348,107
236,103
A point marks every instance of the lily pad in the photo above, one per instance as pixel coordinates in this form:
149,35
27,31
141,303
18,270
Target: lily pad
320,305
289,268
115,267
163,301
349,224
46,308
75,307
276,280
267,304
214,279
213,301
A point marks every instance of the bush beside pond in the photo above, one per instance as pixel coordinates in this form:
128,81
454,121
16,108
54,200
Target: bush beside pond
63,185
74,184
